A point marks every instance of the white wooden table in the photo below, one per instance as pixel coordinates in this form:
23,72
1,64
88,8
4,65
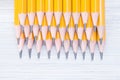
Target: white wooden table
12,68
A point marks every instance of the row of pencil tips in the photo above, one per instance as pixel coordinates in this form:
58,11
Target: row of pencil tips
49,42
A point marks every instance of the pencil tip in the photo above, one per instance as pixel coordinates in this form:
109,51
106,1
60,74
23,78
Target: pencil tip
38,55
92,56
71,42
49,54
84,27
80,41
75,56
58,55
30,50
94,28
66,54
53,41
18,39
35,38
100,40
101,55
20,54
83,55
26,40
88,43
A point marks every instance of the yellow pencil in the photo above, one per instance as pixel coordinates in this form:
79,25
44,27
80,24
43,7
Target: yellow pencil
58,43
30,44
16,20
101,46
66,44
39,43
83,45
89,29
40,11
76,11
49,43
49,11
92,45
27,29
75,45
67,8
22,12
36,27
95,12
85,11
21,44
101,20
58,11
31,12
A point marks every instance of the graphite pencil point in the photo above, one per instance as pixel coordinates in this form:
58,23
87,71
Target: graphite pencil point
75,56
30,51
20,54
31,28
49,54
83,54
18,39
38,55
94,28
101,40
84,27
53,41
88,43
66,54
92,56
101,55
58,55
26,40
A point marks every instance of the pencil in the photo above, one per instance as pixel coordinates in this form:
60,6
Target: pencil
21,44
40,11
83,45
67,44
101,46
85,11
67,8
62,29
93,44
71,29
26,29
58,43
16,20
49,11
53,28
95,12
101,20
22,12
58,11
31,12
30,44
49,43
39,44
75,45
89,29
80,29
76,11
36,27
44,27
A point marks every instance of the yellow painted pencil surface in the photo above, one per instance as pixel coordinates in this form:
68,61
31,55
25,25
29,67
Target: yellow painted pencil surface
40,11
58,10
85,11
76,11
31,12
22,11
16,20
95,12
67,8
49,10
101,19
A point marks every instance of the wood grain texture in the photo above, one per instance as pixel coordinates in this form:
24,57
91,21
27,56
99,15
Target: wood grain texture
12,68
